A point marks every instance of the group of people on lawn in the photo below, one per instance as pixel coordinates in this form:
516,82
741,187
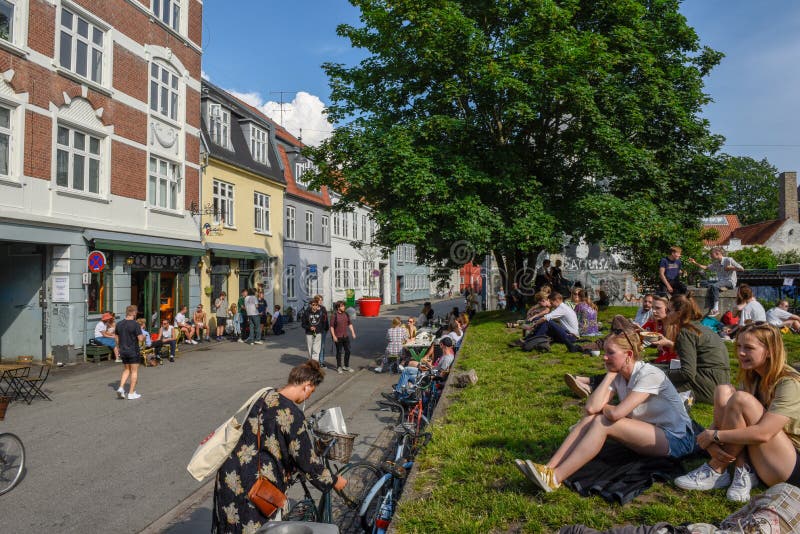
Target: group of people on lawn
756,426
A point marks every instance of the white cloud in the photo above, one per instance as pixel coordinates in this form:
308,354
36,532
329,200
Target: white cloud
204,75
303,116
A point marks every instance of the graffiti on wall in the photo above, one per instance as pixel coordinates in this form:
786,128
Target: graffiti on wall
599,270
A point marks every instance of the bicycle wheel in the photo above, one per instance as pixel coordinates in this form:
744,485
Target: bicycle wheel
379,500
12,461
345,503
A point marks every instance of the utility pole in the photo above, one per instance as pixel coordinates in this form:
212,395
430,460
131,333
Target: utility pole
281,93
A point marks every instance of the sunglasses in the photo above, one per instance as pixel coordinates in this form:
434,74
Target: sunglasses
618,331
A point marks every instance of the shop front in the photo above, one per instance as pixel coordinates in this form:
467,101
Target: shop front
232,268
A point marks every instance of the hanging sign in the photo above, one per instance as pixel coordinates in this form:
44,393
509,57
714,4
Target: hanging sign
96,261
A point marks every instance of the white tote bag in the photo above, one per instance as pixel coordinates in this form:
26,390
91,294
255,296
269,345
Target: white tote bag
217,446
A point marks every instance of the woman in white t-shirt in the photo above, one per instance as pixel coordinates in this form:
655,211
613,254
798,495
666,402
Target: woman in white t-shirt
750,310
650,418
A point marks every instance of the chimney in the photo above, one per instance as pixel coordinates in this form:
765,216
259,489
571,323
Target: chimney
787,199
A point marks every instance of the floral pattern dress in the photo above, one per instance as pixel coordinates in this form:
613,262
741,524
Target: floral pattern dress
587,320
286,447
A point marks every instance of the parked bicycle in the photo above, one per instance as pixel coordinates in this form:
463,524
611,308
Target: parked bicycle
332,507
12,455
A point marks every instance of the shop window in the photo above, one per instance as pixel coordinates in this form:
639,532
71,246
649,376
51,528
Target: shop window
100,290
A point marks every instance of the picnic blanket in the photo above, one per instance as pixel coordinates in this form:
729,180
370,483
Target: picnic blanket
618,474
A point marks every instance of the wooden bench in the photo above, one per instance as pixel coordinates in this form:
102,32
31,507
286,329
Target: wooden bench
97,353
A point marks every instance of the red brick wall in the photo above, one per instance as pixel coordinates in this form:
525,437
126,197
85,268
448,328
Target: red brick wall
128,171
38,146
196,22
193,107
130,74
192,149
41,27
192,186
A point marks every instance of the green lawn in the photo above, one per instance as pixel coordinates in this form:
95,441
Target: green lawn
521,408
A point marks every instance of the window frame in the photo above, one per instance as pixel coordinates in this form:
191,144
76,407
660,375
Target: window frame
105,283
337,273
261,210
219,125
218,198
355,225
325,225
259,144
74,38
356,268
85,153
364,234
291,221
173,23
10,145
309,226
289,282
172,87
300,168
172,178
337,224
346,272
345,225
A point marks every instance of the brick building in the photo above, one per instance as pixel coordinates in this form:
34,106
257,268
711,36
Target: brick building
99,151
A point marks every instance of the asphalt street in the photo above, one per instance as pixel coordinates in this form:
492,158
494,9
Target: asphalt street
96,463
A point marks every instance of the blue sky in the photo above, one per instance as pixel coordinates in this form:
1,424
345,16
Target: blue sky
280,46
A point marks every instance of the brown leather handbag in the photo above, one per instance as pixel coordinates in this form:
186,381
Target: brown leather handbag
264,494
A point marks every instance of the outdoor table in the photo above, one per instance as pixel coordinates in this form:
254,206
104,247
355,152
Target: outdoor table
10,377
417,349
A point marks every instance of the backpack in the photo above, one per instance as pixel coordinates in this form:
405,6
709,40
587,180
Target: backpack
537,343
217,446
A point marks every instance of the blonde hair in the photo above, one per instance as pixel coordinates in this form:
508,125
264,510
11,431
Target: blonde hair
397,321
626,339
763,387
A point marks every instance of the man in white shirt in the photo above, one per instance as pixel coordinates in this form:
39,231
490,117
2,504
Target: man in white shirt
725,268
561,324
645,313
780,316
251,307
182,323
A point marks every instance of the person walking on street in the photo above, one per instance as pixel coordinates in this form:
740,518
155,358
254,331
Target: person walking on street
221,306
241,316
128,336
340,325
253,318
311,321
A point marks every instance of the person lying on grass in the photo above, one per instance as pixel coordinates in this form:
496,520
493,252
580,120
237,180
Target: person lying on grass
759,422
650,418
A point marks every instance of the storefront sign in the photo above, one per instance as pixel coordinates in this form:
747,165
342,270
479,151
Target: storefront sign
60,292
96,261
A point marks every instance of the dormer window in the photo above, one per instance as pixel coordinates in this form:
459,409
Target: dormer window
219,121
258,145
300,167
168,12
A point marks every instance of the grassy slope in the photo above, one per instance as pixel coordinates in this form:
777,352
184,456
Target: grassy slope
521,408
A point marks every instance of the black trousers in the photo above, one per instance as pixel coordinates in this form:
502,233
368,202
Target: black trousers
342,344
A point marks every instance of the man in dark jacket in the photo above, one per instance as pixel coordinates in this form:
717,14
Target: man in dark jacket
312,322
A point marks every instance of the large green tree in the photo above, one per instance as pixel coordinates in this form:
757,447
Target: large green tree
749,188
508,125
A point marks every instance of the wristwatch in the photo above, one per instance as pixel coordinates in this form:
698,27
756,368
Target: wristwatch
716,437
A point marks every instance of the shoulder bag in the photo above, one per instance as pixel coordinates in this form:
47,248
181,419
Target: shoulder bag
217,446
264,494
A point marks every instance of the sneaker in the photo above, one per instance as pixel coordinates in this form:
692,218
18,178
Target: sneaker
542,475
744,479
349,370
339,370
578,388
172,359
187,341
121,393
378,369
193,342
240,340
258,342
400,368
703,478
118,360
134,396
713,313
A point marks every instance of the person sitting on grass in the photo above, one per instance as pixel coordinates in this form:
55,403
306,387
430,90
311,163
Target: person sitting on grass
644,313
560,325
656,324
534,314
757,423
781,317
650,418
586,312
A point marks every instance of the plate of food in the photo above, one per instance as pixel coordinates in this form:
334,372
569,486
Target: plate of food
649,337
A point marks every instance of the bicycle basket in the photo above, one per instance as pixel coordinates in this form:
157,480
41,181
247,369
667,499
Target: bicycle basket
342,448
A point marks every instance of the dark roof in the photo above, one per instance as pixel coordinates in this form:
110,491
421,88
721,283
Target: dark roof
239,155
321,197
759,233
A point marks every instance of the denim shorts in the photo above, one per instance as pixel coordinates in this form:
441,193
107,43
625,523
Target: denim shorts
680,447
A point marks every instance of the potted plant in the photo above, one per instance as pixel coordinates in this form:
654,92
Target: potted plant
370,305
208,290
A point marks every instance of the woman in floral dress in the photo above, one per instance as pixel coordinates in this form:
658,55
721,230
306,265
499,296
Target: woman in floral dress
586,311
286,447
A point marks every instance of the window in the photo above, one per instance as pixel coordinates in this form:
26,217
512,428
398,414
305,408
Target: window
223,203
345,222
81,46
100,290
355,273
77,160
346,272
168,12
324,229
337,272
5,141
300,169
6,21
365,274
163,179
258,144
309,226
163,91
364,236
261,206
355,226
337,224
290,220
290,281
219,125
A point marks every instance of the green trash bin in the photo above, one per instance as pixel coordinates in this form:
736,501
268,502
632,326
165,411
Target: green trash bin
350,298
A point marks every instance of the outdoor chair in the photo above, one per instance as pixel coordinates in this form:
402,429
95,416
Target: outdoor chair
31,386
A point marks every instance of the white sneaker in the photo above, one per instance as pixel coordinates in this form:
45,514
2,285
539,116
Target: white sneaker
118,360
703,478
193,342
349,370
378,369
134,396
400,368
258,342
240,340
744,479
339,370
121,393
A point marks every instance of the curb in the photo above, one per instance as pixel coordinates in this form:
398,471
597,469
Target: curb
207,489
